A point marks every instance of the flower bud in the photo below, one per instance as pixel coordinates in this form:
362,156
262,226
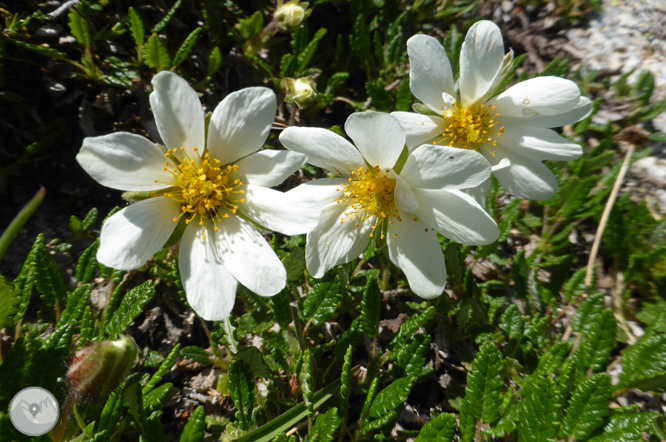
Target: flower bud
98,369
300,91
290,15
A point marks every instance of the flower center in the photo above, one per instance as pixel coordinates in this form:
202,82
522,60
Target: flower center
370,192
204,188
472,126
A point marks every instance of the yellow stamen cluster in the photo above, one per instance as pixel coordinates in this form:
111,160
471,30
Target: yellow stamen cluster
472,127
204,188
370,192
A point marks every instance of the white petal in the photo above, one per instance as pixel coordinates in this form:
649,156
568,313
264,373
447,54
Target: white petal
535,97
429,71
249,258
323,148
416,250
539,143
481,60
332,242
436,167
580,111
132,236
210,288
178,113
378,136
240,123
324,191
480,192
405,201
269,167
457,216
420,128
125,161
525,177
281,212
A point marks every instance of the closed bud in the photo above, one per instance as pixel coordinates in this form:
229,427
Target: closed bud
98,369
290,15
300,91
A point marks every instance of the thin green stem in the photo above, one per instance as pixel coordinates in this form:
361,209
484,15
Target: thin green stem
19,221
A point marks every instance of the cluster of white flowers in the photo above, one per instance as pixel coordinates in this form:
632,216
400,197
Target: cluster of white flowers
408,177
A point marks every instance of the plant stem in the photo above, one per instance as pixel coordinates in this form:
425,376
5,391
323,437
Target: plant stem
19,221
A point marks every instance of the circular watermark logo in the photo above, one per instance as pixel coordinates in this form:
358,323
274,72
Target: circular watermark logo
34,411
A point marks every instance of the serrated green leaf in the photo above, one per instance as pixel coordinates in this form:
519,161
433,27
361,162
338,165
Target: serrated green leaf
644,363
322,301
87,328
159,27
194,430
130,307
111,413
71,316
196,354
391,397
255,360
626,427
540,412
485,383
351,337
155,54
164,369
305,57
467,422
9,303
345,383
214,62
41,50
186,48
598,343
87,264
440,429
371,307
48,278
512,323
307,382
360,40
411,326
136,27
587,312
241,387
76,226
454,263
157,398
372,394
587,408
325,426
79,27
381,98
294,263
410,359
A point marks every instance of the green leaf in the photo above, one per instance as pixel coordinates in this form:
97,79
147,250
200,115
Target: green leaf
87,328
644,363
351,337
454,263
589,309
87,264
136,27
111,413
411,326
325,426
575,286
155,54
404,98
371,307
214,62
345,382
627,427
159,27
391,397
307,382
48,279
372,394
79,27
467,422
194,430
440,429
255,360
186,48
77,302
512,323
164,369
305,57
410,358
241,387
130,308
281,308
587,408
41,50
598,343
157,398
9,303
196,354
294,263
540,412
360,40
76,226
485,383
381,98
322,301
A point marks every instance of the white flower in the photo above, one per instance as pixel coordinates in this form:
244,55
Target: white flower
404,206
290,15
513,125
212,185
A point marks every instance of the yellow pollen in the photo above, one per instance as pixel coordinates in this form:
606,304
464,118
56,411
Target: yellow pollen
370,192
204,189
472,127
